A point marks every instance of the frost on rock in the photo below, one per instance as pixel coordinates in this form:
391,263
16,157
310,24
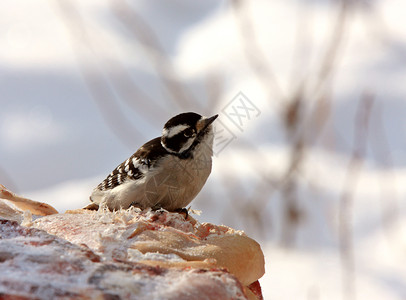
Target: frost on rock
130,254
36,264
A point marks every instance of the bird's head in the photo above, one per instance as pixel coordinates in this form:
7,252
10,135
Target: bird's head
185,131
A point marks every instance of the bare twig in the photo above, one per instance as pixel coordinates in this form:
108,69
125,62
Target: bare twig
215,89
92,73
141,31
329,60
381,151
253,52
251,213
128,91
347,197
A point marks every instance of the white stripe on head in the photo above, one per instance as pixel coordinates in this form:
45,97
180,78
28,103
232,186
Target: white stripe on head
173,130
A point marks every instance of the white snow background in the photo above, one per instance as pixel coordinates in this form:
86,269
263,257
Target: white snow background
64,124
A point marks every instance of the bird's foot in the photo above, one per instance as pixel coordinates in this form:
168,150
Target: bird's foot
134,204
183,211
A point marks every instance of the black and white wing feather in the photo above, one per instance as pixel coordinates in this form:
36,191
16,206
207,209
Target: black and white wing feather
128,170
134,167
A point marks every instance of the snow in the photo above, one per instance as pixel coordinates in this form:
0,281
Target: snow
317,274
57,143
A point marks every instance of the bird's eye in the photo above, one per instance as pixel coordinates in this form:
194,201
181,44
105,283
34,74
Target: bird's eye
188,132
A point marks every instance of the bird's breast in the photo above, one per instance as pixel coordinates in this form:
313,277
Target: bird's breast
176,181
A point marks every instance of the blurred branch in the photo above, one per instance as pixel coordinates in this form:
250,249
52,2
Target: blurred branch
318,118
302,128
253,52
142,32
361,125
300,66
131,94
265,75
381,151
292,214
215,89
252,214
329,60
92,73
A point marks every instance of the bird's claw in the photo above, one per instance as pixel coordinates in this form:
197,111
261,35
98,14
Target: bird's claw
183,211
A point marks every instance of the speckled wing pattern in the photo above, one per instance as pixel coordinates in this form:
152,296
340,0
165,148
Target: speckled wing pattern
135,166
129,169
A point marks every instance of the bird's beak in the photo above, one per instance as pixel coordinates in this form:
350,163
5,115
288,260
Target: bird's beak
203,123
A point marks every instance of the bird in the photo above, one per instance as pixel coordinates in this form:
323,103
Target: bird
165,173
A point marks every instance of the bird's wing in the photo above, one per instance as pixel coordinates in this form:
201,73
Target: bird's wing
135,166
128,169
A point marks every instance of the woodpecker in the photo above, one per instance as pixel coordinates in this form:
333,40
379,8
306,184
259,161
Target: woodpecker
166,172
